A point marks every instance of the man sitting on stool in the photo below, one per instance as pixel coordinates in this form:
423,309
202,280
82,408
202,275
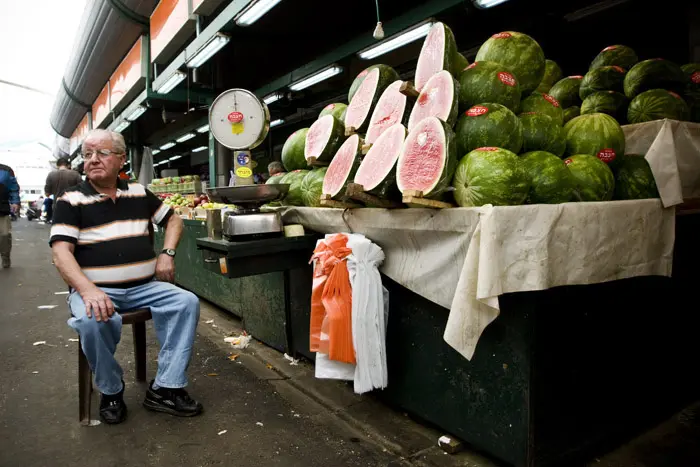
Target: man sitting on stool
102,246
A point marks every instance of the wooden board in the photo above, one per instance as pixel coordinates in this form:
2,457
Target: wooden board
357,192
315,163
350,130
407,89
414,199
328,202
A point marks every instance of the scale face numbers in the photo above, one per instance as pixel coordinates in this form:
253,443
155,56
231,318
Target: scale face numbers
238,119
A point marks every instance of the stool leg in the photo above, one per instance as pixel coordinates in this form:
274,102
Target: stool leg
84,387
139,332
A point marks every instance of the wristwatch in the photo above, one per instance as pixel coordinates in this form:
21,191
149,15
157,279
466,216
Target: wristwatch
168,251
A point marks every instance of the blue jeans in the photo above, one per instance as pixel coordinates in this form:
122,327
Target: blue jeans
175,316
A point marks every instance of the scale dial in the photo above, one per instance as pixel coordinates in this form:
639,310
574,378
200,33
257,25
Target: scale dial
239,120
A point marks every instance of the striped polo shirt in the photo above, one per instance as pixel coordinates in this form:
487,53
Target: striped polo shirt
113,242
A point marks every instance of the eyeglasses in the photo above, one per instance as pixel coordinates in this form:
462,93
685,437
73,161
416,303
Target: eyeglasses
101,153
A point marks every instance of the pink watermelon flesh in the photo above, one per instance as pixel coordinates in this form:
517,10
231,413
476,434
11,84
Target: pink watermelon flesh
435,100
340,167
317,137
389,111
432,56
361,103
423,157
381,158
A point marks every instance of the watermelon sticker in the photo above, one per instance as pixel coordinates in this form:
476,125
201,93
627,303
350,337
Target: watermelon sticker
506,78
471,66
606,155
619,69
329,107
695,77
488,149
502,35
235,117
568,161
477,110
576,77
674,94
611,47
551,100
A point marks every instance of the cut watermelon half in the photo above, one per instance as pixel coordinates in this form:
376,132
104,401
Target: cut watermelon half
438,53
323,139
391,109
439,98
376,173
428,159
367,96
342,168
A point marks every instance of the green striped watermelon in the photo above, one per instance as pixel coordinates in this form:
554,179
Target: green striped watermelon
593,180
656,73
551,181
323,139
566,91
604,78
598,135
634,179
552,74
543,103
491,175
293,151
488,82
571,112
385,71
542,133
619,55
607,102
520,53
294,196
336,109
274,179
488,125
657,104
461,64
439,52
311,187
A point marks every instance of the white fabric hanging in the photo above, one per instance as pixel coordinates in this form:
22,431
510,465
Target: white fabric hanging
146,173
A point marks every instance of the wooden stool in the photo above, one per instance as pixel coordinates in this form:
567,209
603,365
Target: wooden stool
137,318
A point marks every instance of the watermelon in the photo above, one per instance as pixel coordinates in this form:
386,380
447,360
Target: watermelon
542,133
377,173
692,89
342,168
336,109
593,180
608,102
360,109
604,78
566,91
597,135
323,139
488,125
552,74
543,103
311,187
274,179
460,64
657,104
428,159
633,179
615,55
439,52
392,108
439,98
293,151
384,70
550,180
491,175
488,82
520,53
294,196
656,73
571,112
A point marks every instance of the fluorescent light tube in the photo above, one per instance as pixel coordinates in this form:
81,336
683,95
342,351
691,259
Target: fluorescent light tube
216,43
167,145
136,113
122,126
316,78
185,137
174,158
155,151
171,82
203,128
274,97
487,3
201,148
255,12
398,40
275,123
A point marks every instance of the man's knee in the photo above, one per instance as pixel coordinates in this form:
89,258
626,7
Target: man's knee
90,327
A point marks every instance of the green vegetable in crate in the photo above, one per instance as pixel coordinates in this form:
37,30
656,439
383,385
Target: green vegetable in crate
336,109
384,70
619,55
592,178
656,73
311,187
634,179
323,139
520,53
541,133
439,52
598,135
566,91
657,104
571,112
552,74
293,151
294,195
365,98
608,102
605,78
543,103
488,125
488,82
491,175
551,181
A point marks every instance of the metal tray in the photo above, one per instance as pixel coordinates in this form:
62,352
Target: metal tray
247,194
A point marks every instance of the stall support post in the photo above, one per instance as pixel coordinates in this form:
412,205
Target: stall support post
223,163
212,160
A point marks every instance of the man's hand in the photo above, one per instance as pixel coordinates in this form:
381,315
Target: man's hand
97,302
165,268
15,208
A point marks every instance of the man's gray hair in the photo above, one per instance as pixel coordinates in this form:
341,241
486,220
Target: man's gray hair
275,167
118,143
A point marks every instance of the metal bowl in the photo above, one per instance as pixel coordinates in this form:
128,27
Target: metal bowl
247,194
